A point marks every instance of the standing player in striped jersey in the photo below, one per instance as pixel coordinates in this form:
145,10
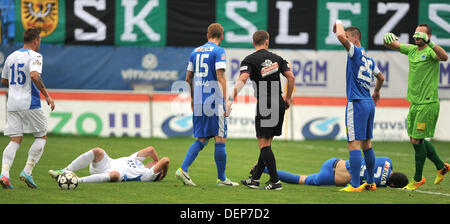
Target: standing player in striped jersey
22,74
360,111
206,78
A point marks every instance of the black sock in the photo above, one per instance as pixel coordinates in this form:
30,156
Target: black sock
259,168
269,161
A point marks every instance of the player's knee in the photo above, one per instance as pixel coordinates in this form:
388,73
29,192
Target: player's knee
98,154
114,176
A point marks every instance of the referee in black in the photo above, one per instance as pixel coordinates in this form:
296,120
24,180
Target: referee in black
264,69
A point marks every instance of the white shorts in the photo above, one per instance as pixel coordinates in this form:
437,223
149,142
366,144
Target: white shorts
107,164
102,166
27,121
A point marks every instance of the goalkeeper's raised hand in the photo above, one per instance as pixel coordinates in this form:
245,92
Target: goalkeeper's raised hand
389,38
424,37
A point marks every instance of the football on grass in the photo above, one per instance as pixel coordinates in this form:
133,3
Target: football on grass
68,180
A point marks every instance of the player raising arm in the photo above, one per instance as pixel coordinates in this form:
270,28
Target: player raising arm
423,79
360,110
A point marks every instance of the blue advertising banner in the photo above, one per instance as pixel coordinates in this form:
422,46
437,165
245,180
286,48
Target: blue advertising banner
109,67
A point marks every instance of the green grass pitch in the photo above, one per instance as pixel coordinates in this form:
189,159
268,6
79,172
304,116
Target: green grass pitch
300,157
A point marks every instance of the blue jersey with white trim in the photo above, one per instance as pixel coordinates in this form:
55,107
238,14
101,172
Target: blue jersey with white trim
204,62
360,69
383,168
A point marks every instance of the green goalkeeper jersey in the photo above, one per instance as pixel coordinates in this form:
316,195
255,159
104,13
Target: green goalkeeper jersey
423,77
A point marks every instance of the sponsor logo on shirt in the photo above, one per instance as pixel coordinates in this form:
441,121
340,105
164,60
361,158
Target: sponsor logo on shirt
268,68
385,173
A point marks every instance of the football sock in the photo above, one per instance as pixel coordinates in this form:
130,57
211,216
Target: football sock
8,157
81,161
34,154
286,176
270,162
432,155
420,157
220,156
355,167
191,154
96,178
369,157
259,168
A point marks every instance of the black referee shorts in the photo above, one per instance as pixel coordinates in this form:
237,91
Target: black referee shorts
269,132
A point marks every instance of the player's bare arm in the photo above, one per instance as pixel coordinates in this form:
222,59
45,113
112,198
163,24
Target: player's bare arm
189,78
148,152
240,83
441,55
338,29
37,80
222,83
5,82
391,41
290,87
378,85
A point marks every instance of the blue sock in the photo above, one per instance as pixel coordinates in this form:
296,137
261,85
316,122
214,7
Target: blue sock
191,154
369,157
355,167
286,176
220,156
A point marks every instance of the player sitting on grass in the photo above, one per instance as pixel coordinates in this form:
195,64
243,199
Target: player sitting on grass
105,169
337,172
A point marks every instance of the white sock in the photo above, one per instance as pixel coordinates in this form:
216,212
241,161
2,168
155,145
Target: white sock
34,154
8,157
81,161
96,178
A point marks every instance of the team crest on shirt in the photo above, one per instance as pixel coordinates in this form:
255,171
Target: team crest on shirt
268,67
423,57
42,14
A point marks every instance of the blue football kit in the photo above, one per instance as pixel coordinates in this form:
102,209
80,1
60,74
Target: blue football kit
360,110
382,169
208,119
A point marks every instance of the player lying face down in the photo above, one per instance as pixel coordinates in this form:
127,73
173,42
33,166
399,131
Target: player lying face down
336,172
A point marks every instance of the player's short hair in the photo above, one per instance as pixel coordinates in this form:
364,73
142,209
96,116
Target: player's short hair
259,37
428,28
354,31
215,30
397,180
31,34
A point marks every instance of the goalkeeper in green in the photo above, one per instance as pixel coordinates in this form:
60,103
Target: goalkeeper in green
422,93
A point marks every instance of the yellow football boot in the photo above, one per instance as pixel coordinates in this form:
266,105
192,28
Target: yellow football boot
440,173
413,185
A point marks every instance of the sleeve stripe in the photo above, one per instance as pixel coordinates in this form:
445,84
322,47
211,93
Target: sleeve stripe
221,65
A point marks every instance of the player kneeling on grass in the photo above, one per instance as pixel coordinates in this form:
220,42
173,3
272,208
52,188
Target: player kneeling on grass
105,169
337,172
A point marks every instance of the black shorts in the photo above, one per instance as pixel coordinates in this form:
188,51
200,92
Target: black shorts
270,131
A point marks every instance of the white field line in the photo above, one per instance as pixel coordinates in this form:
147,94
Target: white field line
426,192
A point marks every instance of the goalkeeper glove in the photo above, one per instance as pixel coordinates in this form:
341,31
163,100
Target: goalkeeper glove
424,37
389,38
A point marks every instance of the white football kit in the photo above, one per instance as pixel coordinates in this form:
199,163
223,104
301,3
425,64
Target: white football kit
24,113
130,168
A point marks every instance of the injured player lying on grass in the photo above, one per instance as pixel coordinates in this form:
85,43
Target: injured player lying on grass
105,169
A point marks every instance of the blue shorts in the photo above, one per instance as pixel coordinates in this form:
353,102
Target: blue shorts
359,116
207,125
325,175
